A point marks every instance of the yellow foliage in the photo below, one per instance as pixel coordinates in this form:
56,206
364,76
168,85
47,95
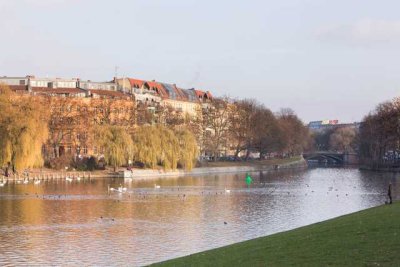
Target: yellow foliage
155,145
116,142
23,129
188,149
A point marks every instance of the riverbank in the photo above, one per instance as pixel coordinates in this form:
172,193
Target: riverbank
367,238
208,168
227,167
394,169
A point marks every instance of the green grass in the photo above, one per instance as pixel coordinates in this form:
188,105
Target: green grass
366,238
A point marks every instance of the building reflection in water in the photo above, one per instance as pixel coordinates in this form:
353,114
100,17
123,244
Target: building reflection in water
80,223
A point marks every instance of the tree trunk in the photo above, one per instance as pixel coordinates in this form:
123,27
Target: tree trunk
237,153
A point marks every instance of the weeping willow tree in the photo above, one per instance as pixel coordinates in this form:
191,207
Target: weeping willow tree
188,149
147,146
116,143
23,129
158,145
169,153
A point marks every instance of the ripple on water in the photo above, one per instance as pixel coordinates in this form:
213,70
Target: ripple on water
82,224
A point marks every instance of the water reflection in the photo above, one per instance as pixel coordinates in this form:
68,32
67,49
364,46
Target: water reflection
62,223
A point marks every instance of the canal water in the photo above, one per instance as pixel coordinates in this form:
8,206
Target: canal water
80,223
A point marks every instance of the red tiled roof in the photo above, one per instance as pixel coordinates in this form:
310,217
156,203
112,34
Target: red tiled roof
136,82
108,93
199,93
160,89
203,94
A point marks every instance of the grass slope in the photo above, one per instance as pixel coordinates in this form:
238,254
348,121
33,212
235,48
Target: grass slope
366,238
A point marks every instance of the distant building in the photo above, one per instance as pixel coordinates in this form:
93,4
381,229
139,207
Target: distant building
153,93
44,86
143,93
320,126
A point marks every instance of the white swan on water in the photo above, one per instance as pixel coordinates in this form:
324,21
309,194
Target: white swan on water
227,191
3,183
36,182
120,189
157,186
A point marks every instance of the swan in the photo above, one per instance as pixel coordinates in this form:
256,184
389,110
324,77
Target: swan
68,179
36,182
227,191
3,183
121,189
157,186
26,181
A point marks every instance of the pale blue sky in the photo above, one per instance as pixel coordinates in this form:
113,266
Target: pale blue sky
332,59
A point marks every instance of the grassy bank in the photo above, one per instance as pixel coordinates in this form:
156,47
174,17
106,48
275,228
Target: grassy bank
367,238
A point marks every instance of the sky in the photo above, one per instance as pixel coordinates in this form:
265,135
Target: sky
324,59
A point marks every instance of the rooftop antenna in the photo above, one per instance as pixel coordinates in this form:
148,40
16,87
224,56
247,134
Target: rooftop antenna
116,71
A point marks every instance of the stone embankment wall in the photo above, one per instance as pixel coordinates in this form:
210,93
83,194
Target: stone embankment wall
301,164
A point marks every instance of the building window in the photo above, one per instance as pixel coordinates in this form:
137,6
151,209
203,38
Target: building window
85,150
69,149
22,82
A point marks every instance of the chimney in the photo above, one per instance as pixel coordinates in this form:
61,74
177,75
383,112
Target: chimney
29,84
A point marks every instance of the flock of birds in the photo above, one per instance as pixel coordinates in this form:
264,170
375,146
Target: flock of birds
37,180
121,189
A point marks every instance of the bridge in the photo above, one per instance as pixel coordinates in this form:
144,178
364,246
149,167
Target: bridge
331,157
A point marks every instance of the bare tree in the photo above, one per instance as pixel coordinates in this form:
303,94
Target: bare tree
295,134
343,139
242,119
266,133
216,119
